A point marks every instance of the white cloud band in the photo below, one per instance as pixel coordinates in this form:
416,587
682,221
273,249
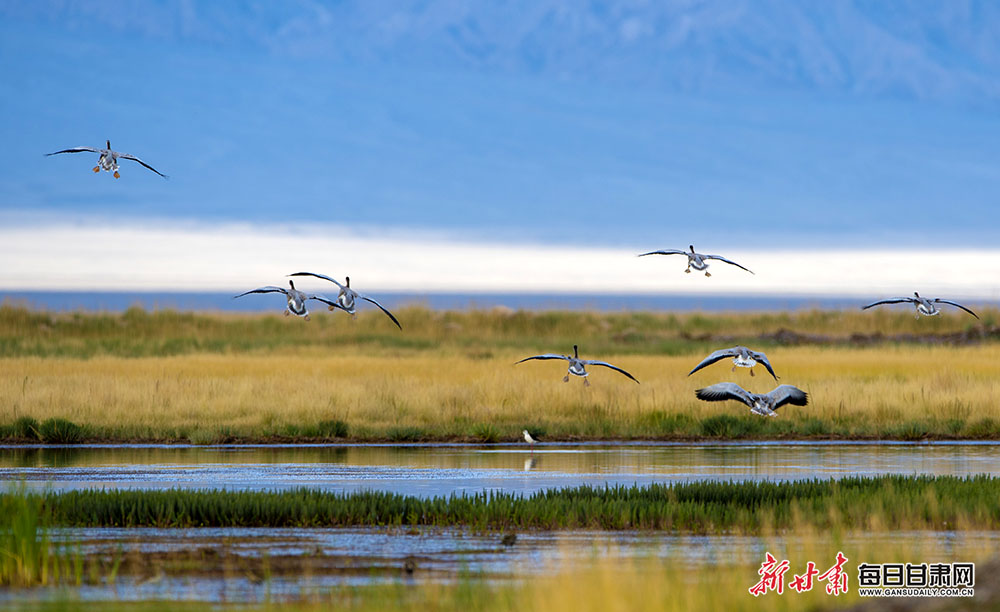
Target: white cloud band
143,256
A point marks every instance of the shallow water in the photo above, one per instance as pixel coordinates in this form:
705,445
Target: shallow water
429,470
274,564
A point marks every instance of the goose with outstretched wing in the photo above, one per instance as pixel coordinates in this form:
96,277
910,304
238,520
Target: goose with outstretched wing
698,261
296,299
764,404
347,299
577,366
108,160
924,306
742,357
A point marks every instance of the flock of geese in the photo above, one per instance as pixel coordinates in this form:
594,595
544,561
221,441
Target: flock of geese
764,404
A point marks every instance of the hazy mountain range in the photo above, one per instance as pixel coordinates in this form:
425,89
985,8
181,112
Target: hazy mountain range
629,123
927,50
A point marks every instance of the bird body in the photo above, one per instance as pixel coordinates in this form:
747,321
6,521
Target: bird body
577,366
924,306
347,298
742,357
764,404
296,299
698,261
527,437
108,160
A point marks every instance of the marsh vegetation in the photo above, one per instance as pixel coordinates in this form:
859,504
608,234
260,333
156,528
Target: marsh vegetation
170,376
886,502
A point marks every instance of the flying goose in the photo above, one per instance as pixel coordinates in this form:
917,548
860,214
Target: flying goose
577,366
924,306
696,260
346,301
742,357
296,299
108,160
763,404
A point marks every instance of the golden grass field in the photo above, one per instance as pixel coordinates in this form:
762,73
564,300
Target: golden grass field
855,392
451,376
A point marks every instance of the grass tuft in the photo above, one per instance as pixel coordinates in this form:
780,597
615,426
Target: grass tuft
332,429
60,431
405,434
486,433
25,427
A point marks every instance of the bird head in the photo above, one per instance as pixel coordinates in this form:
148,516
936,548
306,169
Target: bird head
291,284
348,279
575,354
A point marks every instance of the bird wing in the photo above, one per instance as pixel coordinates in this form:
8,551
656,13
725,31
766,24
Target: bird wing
268,289
762,359
136,159
728,261
608,365
716,356
725,391
898,300
787,394
545,356
323,276
382,308
325,300
665,252
76,150
942,301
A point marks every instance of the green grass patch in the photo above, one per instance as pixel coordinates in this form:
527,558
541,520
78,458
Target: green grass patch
887,502
25,427
60,431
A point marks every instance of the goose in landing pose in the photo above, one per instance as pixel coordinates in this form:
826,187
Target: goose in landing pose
763,404
924,306
108,160
577,366
742,357
296,299
347,299
696,260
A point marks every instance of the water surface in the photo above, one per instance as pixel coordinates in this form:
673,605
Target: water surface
431,470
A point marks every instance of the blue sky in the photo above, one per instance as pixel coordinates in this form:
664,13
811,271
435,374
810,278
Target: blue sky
639,125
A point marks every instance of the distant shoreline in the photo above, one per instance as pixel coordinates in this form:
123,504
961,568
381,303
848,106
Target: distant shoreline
115,301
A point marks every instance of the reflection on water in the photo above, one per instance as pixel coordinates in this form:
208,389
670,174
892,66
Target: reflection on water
428,470
301,561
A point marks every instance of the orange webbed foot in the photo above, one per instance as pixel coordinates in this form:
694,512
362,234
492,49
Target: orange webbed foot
117,175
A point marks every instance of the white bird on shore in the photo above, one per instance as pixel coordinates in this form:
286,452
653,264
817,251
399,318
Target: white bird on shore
296,299
577,366
109,159
742,357
347,299
763,404
924,306
696,260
